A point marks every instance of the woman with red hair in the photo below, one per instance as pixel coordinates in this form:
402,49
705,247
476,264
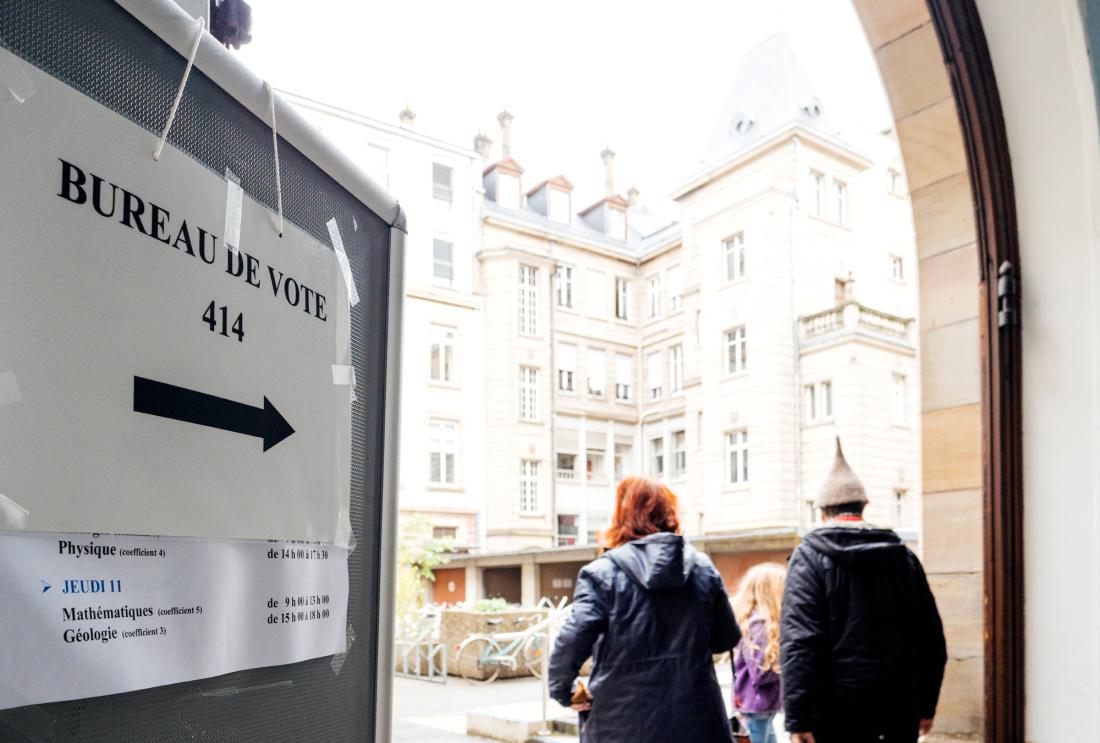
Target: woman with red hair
651,611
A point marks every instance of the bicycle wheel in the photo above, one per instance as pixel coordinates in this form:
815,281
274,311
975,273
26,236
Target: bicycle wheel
533,649
472,661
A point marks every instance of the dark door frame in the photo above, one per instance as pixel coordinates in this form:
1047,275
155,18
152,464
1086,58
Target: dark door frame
966,56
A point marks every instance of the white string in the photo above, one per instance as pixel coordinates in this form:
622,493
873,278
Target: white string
179,93
275,146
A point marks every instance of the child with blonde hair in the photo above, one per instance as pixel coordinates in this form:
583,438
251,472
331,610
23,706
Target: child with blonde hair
757,692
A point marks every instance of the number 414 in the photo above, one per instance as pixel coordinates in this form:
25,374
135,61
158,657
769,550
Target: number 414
217,318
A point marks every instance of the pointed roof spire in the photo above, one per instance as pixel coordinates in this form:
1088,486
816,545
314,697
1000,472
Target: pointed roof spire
841,485
770,92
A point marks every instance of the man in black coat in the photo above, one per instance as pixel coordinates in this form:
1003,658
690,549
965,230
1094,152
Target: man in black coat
861,640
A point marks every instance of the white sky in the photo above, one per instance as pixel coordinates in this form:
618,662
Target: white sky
649,79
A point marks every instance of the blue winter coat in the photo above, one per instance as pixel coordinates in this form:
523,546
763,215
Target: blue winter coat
651,614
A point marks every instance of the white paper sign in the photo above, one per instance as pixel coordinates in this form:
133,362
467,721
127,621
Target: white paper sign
88,615
167,385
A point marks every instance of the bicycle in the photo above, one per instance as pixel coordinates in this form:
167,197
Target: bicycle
479,653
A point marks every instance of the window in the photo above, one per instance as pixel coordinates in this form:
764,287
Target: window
567,367
528,486
622,299
567,529
819,401
894,180
657,457
442,354
566,466
676,369
899,507
817,181
735,257
897,268
736,351
653,368
378,164
737,457
897,401
528,299
443,268
559,206
444,533
597,372
811,402
563,286
594,462
840,197
528,393
595,294
442,452
654,296
616,223
679,453
508,190
675,288
624,377
623,454
826,400
442,177
840,291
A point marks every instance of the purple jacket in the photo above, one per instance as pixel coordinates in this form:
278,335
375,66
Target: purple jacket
757,690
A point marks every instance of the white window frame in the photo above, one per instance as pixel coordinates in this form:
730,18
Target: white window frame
675,281
595,294
563,286
529,487
734,254
623,382
558,205
447,278
528,299
897,268
566,362
443,442
737,457
676,369
622,298
616,223
441,192
654,375
679,454
442,352
817,180
899,413
900,499
826,397
657,456
809,397
840,202
596,371
508,190
654,295
736,350
528,393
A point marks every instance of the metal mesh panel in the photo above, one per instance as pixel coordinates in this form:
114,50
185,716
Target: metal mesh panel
99,49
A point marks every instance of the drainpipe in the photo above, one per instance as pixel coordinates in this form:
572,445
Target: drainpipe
798,506
553,405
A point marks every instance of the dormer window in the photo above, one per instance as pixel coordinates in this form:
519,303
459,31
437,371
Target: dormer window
813,108
442,177
508,190
741,125
616,223
559,206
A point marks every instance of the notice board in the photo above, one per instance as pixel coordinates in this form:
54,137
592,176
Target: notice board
197,409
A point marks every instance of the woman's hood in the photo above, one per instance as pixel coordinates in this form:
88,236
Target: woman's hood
658,562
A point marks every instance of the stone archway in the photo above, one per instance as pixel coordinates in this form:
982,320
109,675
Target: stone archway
950,127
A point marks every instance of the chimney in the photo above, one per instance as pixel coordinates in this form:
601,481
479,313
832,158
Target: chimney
483,145
608,158
407,117
505,120
633,196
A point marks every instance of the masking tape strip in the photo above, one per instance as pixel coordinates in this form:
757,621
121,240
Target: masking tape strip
339,658
15,77
12,515
234,205
342,260
9,389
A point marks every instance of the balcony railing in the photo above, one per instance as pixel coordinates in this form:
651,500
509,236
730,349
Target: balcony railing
853,317
567,474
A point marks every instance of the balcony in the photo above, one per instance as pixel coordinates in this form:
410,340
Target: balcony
852,318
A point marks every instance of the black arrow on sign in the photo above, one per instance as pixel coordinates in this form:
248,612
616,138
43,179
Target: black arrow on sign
181,404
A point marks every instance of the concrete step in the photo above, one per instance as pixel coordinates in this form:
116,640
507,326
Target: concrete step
556,738
518,723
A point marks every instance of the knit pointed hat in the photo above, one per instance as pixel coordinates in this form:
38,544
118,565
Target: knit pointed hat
841,486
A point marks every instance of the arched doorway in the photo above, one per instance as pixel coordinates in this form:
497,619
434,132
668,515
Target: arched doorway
951,129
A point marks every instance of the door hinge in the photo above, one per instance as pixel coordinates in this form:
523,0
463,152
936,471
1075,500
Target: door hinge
1007,289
